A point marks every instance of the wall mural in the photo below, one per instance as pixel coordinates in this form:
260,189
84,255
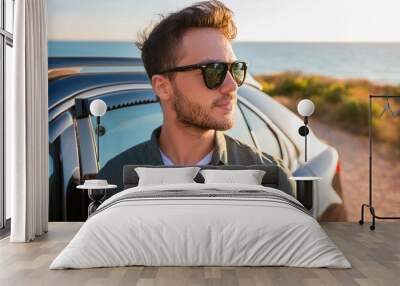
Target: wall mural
122,92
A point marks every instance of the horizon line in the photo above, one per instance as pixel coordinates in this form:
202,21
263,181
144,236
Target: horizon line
238,41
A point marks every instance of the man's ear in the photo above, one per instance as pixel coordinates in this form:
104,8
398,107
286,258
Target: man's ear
161,86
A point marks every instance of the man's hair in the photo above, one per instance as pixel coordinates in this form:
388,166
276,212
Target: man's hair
160,48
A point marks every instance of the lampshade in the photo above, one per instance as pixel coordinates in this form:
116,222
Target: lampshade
305,107
98,107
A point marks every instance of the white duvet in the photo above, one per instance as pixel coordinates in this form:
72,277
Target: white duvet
207,230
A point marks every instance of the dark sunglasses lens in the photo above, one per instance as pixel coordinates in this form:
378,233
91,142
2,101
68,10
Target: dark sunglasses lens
214,74
238,71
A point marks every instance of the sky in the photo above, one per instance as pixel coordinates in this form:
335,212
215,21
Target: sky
257,20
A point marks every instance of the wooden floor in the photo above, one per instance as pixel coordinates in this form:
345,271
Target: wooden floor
374,255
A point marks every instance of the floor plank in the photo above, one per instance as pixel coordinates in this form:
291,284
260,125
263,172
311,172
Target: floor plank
374,255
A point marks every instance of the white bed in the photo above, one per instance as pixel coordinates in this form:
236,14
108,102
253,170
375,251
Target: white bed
222,225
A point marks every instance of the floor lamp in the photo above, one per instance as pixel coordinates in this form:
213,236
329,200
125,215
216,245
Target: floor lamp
304,185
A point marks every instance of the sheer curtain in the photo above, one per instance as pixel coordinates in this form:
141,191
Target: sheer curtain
27,124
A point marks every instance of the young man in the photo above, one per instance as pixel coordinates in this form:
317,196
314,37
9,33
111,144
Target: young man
195,75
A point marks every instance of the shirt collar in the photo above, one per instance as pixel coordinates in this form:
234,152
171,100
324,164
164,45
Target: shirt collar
219,157
153,148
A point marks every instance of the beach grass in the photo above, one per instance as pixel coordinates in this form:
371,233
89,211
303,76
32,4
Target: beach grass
339,102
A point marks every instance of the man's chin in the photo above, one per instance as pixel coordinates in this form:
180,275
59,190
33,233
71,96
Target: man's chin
223,125
224,128
224,122
213,125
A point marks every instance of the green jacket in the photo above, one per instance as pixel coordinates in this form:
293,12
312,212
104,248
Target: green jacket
227,151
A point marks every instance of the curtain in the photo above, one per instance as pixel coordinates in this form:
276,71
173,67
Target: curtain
27,124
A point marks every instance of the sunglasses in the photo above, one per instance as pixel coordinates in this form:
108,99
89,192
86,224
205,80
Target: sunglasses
214,73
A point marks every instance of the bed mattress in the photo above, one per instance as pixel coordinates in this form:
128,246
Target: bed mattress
201,225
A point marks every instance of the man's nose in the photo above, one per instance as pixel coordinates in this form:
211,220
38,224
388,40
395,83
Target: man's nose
229,85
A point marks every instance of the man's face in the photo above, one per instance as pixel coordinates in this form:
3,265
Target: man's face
192,101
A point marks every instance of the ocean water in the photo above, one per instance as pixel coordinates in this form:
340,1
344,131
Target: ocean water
378,62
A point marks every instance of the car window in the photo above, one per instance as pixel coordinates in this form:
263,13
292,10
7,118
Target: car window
128,126
240,130
265,138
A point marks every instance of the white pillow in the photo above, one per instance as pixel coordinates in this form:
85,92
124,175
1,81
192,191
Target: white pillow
249,177
162,176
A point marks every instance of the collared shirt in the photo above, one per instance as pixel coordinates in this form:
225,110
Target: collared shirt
227,151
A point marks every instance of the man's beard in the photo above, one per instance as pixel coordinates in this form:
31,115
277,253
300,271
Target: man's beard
197,115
